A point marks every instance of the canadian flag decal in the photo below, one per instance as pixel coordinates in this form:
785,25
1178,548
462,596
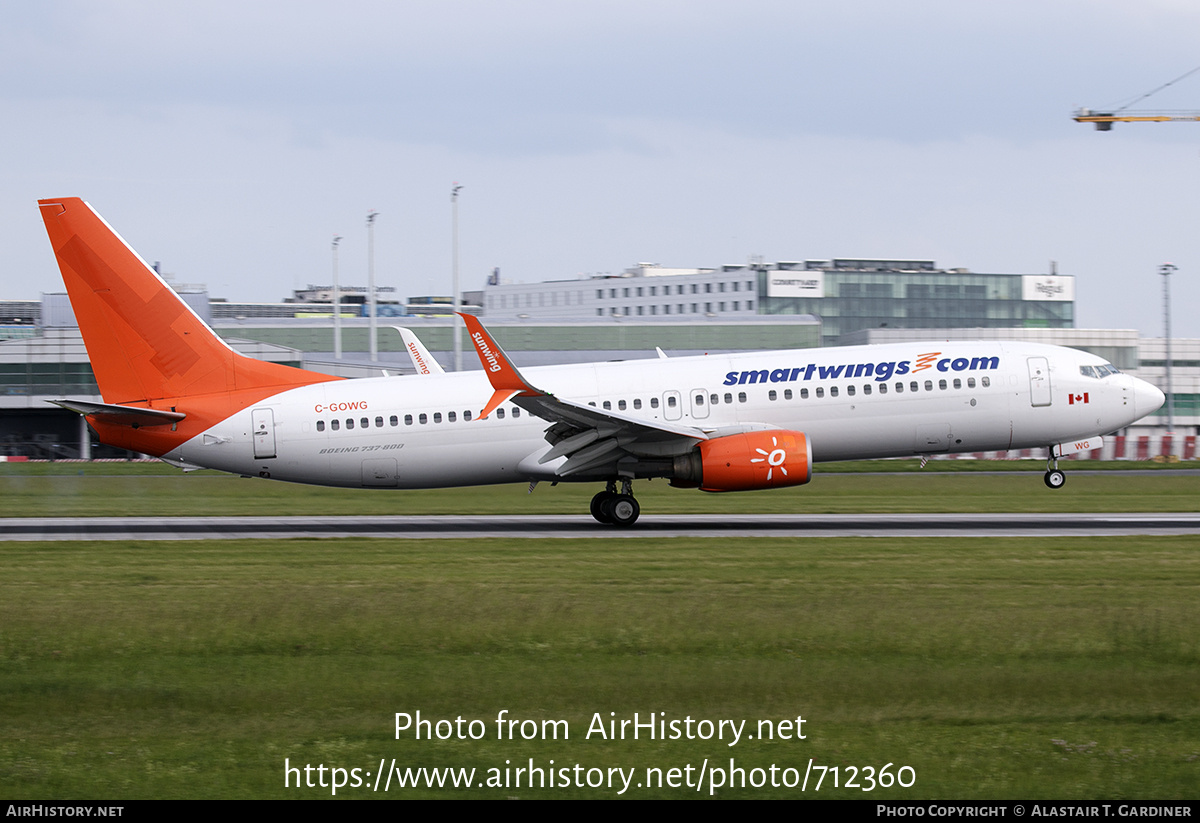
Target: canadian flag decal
1072,399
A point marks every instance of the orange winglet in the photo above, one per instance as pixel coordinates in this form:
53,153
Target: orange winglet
506,381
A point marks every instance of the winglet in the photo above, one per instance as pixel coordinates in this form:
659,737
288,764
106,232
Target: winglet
506,381
422,360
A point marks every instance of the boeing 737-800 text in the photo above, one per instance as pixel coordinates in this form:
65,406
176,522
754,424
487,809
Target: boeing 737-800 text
173,389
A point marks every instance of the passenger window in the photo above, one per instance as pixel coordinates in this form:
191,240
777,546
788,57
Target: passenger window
985,381
820,391
728,398
408,419
637,403
437,417
654,402
467,415
349,423
942,384
957,383
516,412
883,388
379,422
771,395
335,425
787,394
928,385
914,386
699,400
741,397
394,420
320,425
899,388
671,402
607,405
804,394
867,388
970,382
833,391
365,422
621,405
451,417
849,391
500,413
422,418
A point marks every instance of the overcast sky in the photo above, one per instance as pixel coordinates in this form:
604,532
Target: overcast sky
231,141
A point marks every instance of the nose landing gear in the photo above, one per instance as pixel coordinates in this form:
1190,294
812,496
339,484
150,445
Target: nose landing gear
616,509
1054,478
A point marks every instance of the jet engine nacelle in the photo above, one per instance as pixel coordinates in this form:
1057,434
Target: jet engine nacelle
747,461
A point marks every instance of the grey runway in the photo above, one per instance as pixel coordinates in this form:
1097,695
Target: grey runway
582,526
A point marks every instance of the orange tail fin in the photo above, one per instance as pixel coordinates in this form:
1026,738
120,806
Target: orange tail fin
143,341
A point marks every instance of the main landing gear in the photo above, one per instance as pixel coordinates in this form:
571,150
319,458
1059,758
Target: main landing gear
1054,478
615,509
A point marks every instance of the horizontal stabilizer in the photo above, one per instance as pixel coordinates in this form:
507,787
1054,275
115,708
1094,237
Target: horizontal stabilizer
121,415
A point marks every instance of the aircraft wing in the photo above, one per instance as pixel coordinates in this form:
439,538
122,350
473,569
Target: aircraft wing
591,439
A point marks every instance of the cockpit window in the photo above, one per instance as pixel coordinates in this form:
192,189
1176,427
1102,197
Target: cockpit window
1099,372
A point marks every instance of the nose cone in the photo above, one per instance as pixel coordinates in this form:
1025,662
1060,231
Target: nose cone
1147,399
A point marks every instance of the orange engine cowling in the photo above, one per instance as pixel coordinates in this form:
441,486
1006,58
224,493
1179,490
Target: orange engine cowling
755,460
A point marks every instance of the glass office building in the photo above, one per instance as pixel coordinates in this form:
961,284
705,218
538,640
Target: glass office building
853,295
848,295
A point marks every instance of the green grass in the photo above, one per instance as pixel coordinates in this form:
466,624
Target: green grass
995,668
147,489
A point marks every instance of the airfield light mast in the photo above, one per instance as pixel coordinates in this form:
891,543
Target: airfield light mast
1166,270
457,302
337,303
371,301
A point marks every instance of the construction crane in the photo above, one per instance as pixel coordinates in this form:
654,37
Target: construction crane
1103,121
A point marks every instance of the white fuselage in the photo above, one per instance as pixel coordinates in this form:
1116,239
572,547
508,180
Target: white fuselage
423,431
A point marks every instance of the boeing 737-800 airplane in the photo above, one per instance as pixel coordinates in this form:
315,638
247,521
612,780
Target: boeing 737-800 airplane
173,389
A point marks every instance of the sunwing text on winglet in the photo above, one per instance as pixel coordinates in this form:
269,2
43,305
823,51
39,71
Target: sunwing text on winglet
422,360
502,374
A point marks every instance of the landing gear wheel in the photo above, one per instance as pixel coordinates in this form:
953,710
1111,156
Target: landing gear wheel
600,505
1055,479
622,510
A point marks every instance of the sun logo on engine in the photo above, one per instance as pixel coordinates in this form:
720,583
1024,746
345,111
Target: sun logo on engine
773,458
